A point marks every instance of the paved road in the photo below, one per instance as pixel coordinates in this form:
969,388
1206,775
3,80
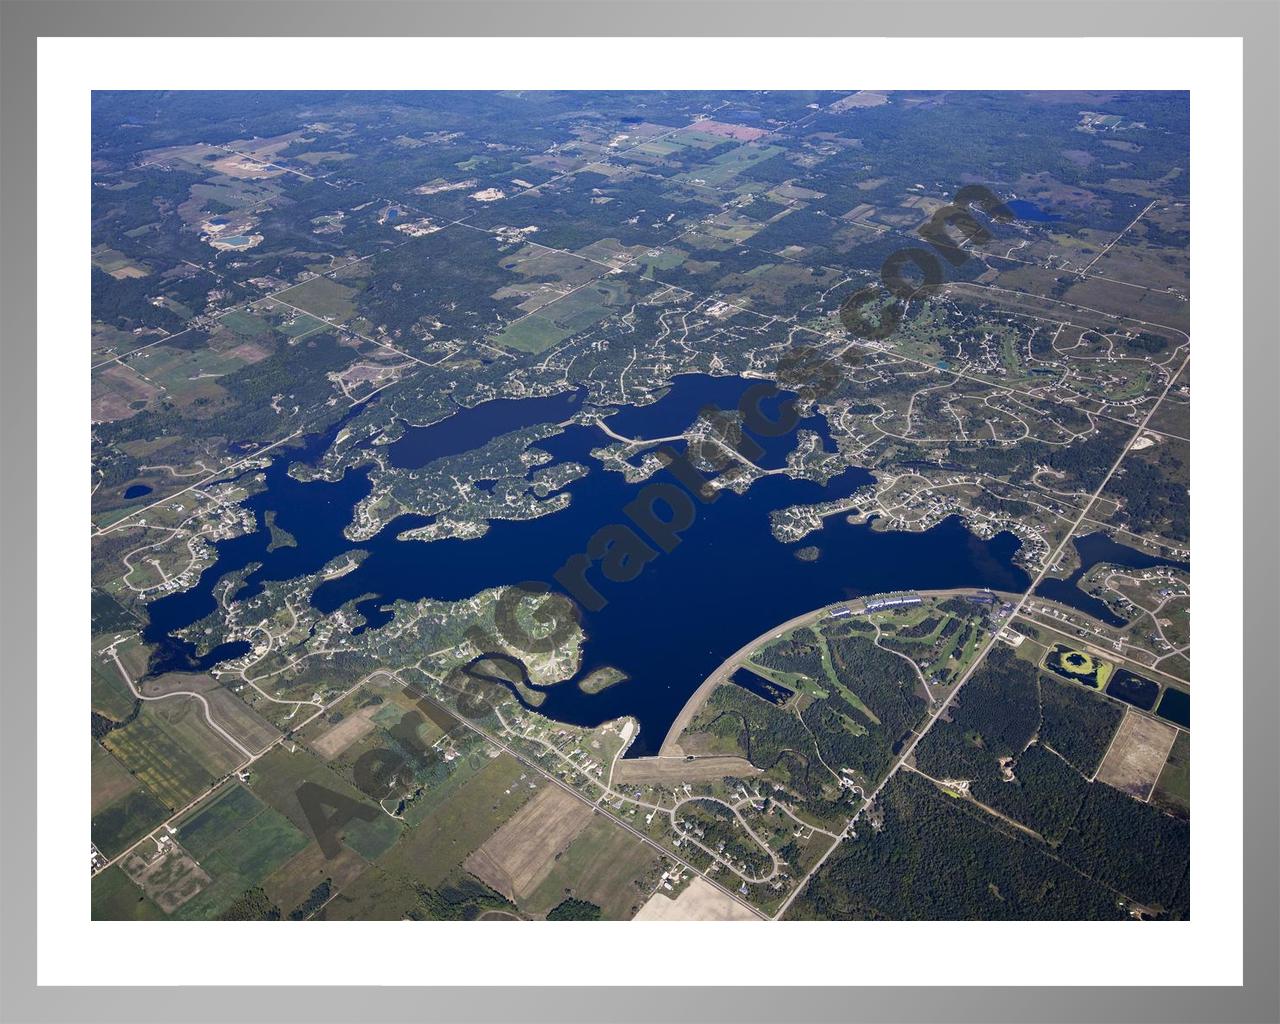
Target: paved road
909,749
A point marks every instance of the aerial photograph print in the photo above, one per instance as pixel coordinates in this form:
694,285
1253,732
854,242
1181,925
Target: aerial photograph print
657,505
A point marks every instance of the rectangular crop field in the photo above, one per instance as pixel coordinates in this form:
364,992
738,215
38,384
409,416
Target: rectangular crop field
1137,754
699,901
606,865
470,816
172,750
520,854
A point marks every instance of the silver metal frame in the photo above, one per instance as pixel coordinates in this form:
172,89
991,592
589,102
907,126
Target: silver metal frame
23,21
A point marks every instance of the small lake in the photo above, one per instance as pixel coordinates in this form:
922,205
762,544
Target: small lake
1133,689
472,428
726,581
1175,706
136,491
761,687
1025,210
1093,549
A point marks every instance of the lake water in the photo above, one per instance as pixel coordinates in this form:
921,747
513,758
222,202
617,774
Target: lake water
468,429
1093,549
1133,689
1025,210
727,580
136,491
1175,705
762,687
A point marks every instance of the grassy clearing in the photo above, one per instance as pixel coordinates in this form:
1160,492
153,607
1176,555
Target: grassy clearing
208,825
108,694
1173,788
124,822
242,860
246,324
116,898
1137,755
605,865
291,883
323,297
429,852
278,776
172,751
732,164
533,334
111,780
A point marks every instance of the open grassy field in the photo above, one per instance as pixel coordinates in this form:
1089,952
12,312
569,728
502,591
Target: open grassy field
1137,755
577,310
375,895
226,707
126,820
516,858
449,834
242,858
277,777
1173,788
116,898
605,865
535,334
324,298
118,392
293,881
336,738
205,827
733,164
108,694
677,770
111,780
246,324
172,750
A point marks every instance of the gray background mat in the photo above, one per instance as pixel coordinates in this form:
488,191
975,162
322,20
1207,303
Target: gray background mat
21,23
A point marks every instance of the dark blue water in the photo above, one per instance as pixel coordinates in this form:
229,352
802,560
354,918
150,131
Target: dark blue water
770,691
1095,548
468,429
690,394
136,491
1175,705
725,582
1024,210
1133,689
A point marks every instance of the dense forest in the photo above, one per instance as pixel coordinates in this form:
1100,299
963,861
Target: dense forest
935,859
1077,724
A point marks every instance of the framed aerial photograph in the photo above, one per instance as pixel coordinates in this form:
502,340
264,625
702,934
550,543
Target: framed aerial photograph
677,505
710,489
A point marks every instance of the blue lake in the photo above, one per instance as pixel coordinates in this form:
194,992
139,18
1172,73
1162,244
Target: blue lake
1175,705
468,429
136,491
1093,549
1024,210
726,581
